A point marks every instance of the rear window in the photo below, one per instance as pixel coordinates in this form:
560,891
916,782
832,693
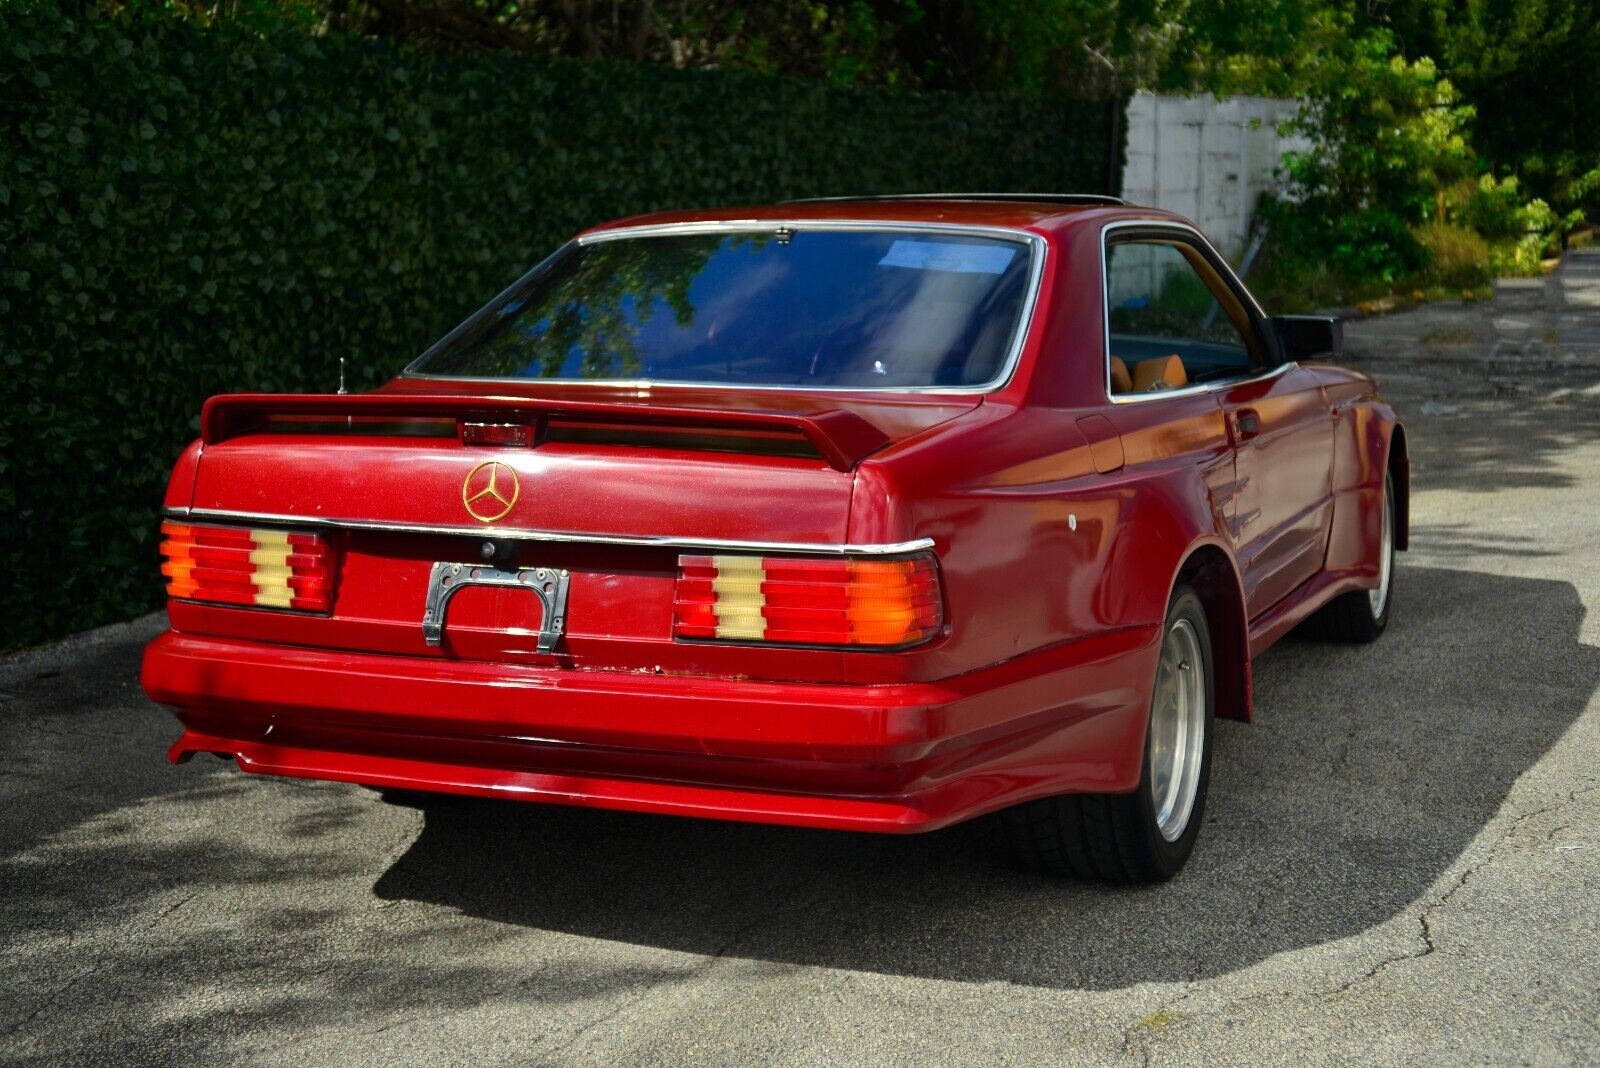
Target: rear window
888,309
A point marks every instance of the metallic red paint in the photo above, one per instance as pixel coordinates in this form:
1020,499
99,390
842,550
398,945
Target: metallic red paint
1060,521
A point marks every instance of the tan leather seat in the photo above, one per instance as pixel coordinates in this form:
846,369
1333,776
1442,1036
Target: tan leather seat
1121,381
1163,372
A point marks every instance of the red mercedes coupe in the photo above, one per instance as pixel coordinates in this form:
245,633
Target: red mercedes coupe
876,514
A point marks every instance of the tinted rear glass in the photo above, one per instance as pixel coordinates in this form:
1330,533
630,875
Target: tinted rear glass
861,309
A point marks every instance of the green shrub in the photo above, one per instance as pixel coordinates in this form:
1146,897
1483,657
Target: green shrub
1521,232
1458,257
1495,210
1374,245
1385,135
1519,258
185,211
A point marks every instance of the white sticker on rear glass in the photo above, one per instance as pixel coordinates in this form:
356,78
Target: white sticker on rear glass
948,256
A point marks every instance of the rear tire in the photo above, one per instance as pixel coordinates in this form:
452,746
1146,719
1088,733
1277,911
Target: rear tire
1146,835
1360,616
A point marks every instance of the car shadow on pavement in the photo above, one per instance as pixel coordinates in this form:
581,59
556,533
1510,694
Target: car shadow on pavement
1368,771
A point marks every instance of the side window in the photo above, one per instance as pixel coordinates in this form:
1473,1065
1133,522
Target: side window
1174,322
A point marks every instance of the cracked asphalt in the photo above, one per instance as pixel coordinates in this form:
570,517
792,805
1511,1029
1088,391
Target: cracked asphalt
1400,863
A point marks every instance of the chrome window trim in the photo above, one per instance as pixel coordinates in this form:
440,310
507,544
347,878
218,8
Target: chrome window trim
221,515
1036,243
1223,267
1064,199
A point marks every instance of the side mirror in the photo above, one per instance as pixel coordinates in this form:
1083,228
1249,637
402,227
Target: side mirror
1308,337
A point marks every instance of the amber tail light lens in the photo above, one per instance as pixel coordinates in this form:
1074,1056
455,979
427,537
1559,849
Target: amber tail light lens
291,569
793,600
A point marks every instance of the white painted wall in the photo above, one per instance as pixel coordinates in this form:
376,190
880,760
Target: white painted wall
1205,158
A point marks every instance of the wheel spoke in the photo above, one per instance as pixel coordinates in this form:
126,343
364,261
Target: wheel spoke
1177,729
1378,597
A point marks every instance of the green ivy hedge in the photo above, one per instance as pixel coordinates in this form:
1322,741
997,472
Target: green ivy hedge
187,211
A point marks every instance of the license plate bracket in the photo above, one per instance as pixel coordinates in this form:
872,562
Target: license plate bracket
549,585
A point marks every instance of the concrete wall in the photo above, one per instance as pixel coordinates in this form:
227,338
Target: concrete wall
1205,158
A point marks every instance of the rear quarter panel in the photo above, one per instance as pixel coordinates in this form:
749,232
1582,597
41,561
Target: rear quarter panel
1036,547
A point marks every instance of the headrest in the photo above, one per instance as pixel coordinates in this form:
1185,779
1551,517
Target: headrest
1121,381
1163,372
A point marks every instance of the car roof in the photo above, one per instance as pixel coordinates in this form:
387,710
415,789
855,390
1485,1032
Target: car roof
1012,210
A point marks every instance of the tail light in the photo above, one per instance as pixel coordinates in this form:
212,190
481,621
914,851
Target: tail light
792,600
290,569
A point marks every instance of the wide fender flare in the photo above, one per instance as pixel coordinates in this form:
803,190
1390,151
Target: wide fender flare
1371,443
1174,532
1397,461
1208,565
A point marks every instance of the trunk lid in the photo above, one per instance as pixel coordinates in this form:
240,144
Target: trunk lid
608,473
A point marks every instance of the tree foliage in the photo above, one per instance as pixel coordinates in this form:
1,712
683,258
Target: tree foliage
1261,47
1532,70
1011,46
1383,133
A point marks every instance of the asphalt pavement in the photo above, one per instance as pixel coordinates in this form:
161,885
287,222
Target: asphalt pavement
1400,863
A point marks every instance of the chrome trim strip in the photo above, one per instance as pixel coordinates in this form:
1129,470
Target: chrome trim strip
1065,199
645,540
1039,249
1222,265
718,226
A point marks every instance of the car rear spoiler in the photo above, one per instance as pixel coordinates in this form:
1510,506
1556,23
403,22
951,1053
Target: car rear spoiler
840,437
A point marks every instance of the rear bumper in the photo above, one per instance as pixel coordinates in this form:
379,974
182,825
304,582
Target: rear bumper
893,758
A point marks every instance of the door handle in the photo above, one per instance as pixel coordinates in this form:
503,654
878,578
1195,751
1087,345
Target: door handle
1246,424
